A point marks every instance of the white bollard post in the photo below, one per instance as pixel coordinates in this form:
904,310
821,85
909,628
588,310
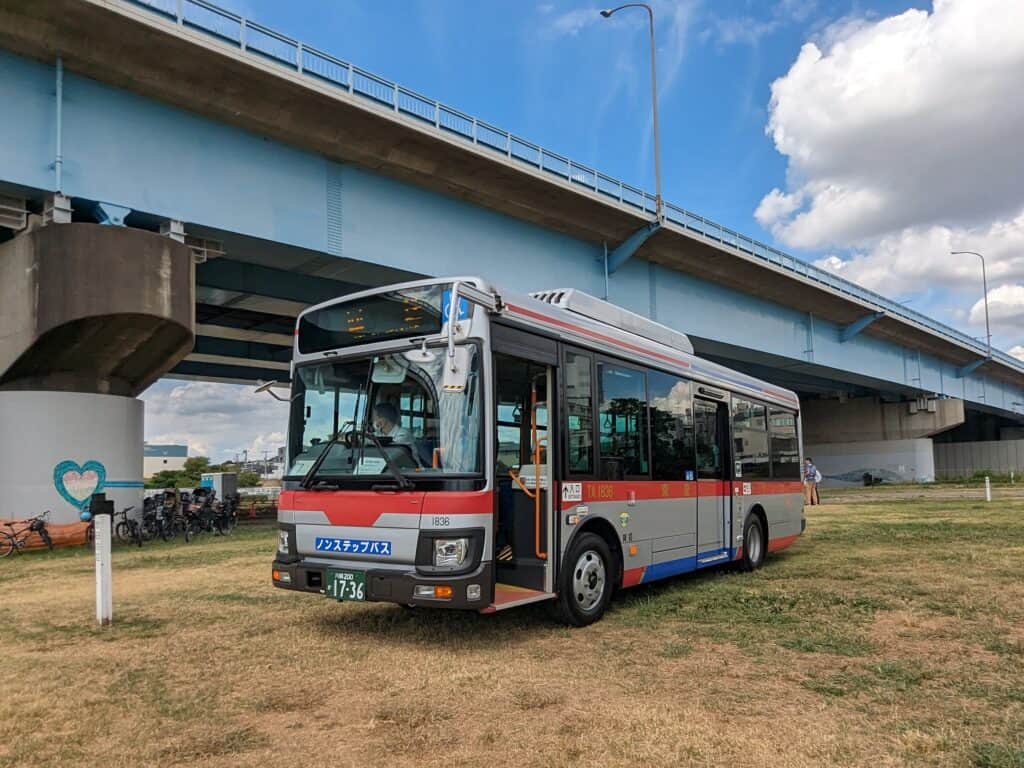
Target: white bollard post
988,488
1011,477
104,592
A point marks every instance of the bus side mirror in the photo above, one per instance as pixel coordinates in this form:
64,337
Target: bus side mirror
266,386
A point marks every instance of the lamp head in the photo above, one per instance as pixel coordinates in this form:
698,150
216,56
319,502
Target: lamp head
607,12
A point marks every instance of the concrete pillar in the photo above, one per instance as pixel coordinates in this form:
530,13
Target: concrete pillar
869,418
890,441
892,461
89,317
57,448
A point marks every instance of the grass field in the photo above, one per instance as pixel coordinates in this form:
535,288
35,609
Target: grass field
891,634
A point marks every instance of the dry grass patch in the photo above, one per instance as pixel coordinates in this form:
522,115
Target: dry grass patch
891,634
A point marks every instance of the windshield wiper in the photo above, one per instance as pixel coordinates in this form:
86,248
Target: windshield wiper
307,478
404,482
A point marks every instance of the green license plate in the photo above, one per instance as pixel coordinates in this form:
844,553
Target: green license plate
346,585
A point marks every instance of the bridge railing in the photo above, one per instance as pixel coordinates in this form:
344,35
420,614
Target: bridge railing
281,49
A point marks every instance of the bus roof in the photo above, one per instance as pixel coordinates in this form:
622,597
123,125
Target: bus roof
589,322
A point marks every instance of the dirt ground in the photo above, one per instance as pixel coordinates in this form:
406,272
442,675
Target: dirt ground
891,633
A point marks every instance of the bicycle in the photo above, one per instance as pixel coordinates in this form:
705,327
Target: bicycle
13,540
128,529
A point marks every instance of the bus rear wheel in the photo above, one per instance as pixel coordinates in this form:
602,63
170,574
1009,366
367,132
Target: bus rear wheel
754,544
585,583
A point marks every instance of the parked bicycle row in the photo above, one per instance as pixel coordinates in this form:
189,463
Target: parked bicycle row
170,513
164,515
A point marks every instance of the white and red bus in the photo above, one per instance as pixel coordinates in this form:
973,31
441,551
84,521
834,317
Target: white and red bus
455,446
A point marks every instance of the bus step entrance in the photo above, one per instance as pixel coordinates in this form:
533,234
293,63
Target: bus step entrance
510,595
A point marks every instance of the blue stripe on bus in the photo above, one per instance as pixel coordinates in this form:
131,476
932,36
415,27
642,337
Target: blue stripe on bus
686,564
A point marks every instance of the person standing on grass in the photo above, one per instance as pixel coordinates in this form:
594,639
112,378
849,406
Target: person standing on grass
811,479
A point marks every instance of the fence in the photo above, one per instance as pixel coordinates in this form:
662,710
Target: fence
310,62
953,460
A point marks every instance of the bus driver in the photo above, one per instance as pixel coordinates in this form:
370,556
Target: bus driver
385,424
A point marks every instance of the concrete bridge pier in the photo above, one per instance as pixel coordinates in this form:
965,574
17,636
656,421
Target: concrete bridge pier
891,441
92,315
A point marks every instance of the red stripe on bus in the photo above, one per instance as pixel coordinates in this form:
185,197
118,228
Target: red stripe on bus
770,487
364,508
632,576
652,490
459,503
774,545
596,335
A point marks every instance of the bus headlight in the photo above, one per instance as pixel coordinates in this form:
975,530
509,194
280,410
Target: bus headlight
450,553
282,542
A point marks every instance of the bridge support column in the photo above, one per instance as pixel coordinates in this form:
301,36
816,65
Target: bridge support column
58,448
865,436
91,316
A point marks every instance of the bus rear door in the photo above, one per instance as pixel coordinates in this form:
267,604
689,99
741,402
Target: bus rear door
714,500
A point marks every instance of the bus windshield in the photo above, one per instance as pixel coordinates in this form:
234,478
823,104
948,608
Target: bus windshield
371,416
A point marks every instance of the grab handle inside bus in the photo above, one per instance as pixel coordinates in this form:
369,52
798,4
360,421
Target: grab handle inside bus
537,480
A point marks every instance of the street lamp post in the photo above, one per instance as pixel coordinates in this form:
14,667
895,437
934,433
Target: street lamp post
984,285
658,206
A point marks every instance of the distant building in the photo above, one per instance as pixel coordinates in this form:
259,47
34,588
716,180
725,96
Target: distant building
157,458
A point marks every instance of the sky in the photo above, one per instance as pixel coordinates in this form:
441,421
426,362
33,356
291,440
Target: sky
871,137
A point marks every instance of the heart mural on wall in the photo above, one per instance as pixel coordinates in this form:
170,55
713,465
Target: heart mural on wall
76,483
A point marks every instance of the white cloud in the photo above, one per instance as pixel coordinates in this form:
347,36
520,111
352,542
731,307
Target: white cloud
214,420
909,121
574,21
919,257
1017,351
777,205
750,30
1005,306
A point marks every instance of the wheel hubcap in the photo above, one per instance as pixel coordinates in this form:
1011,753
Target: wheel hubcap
588,580
754,543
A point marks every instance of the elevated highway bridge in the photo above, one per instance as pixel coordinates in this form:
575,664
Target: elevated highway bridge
295,176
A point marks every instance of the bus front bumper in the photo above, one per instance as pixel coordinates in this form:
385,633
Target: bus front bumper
392,586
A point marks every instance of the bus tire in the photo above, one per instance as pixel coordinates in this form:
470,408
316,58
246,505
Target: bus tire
586,582
755,542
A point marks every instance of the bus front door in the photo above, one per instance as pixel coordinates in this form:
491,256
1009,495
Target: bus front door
714,500
523,479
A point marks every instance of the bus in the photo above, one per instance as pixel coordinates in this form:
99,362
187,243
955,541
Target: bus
452,445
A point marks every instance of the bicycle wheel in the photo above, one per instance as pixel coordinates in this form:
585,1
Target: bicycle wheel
6,544
45,536
123,531
190,531
136,533
90,535
168,531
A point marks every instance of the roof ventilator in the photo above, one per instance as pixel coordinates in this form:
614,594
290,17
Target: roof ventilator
602,311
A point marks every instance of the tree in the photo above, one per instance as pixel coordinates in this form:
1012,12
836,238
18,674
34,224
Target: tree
196,466
248,479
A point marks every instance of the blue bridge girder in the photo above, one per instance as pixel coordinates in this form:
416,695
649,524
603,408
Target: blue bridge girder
848,332
188,126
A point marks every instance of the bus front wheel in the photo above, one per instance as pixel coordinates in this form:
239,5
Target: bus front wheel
754,543
585,583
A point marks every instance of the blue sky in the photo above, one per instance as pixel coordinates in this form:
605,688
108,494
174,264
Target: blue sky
559,74
871,137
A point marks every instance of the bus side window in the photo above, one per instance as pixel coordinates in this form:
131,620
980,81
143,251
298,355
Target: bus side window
750,439
784,450
671,409
579,414
623,420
